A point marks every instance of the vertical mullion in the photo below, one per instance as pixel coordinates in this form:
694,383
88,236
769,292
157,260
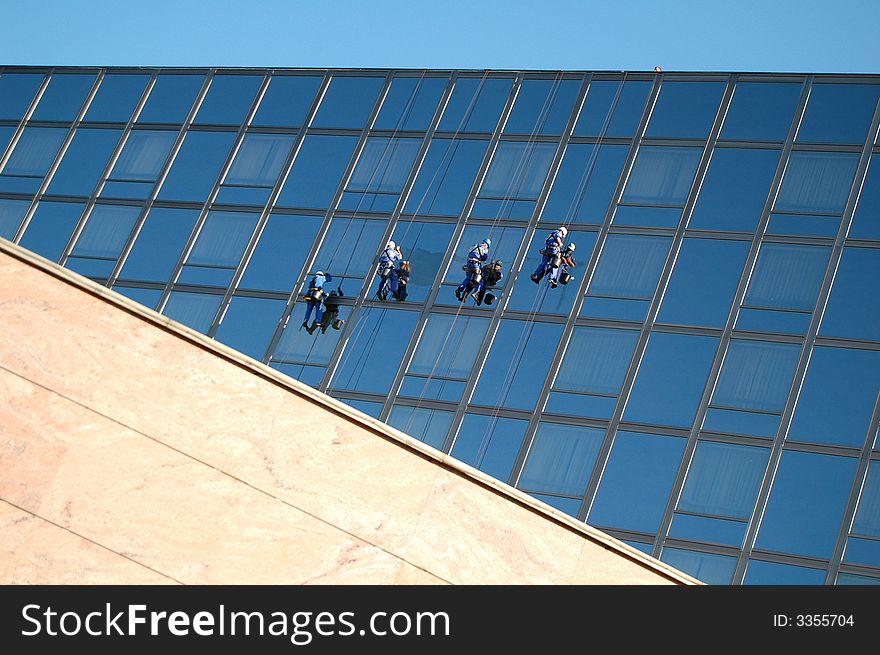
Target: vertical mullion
645,332
727,330
160,179
804,360
331,207
65,144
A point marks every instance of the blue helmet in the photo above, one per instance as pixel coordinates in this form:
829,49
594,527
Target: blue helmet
487,241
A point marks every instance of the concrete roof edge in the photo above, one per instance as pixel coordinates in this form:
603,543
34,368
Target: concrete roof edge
341,409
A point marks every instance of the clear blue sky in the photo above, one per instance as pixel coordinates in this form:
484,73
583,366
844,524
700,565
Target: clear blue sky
734,35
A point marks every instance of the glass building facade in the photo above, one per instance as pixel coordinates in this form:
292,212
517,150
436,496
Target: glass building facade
705,388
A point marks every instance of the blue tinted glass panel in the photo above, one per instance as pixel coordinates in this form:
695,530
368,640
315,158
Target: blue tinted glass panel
708,530
505,242
787,276
475,104
661,176
348,102
50,228
223,238
517,364
578,404
170,99
349,249
106,231
16,92
249,324
756,375
489,443
862,551
765,573
11,213
428,425
196,166
6,132
806,504
195,310
542,106
423,246
735,189
816,182
561,459
670,380
735,421
543,298
706,567
146,297
647,216
636,482
259,160
723,480
317,170
447,348
708,270
601,116
286,101
63,98
851,312
867,520
374,350
852,578
83,162
367,407
34,152
568,505
116,98
866,221
761,111
280,253
629,266
410,103
517,170
803,225
838,113
383,165
837,397
585,183
143,155
297,345
445,176
228,99
596,360
158,244
685,109
311,375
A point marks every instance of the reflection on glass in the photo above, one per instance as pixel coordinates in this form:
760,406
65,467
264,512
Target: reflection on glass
50,228
685,109
671,379
11,214
806,504
735,189
542,106
723,480
489,443
599,118
761,111
427,425
280,253
195,310
850,312
158,244
249,324
410,103
445,176
636,482
837,397
475,104
708,270
196,166
838,113
816,182
661,176
317,170
102,239
756,375
423,246
561,459
585,183
348,101
83,162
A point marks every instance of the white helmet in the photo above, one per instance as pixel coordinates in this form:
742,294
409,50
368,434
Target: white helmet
563,231
569,247
391,245
319,273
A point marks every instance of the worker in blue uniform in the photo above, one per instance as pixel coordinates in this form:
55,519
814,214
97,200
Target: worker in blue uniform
387,270
314,296
550,255
562,273
473,268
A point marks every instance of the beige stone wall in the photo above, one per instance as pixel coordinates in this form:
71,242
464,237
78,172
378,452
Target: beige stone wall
134,450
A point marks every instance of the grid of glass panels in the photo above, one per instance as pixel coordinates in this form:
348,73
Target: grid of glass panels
704,386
